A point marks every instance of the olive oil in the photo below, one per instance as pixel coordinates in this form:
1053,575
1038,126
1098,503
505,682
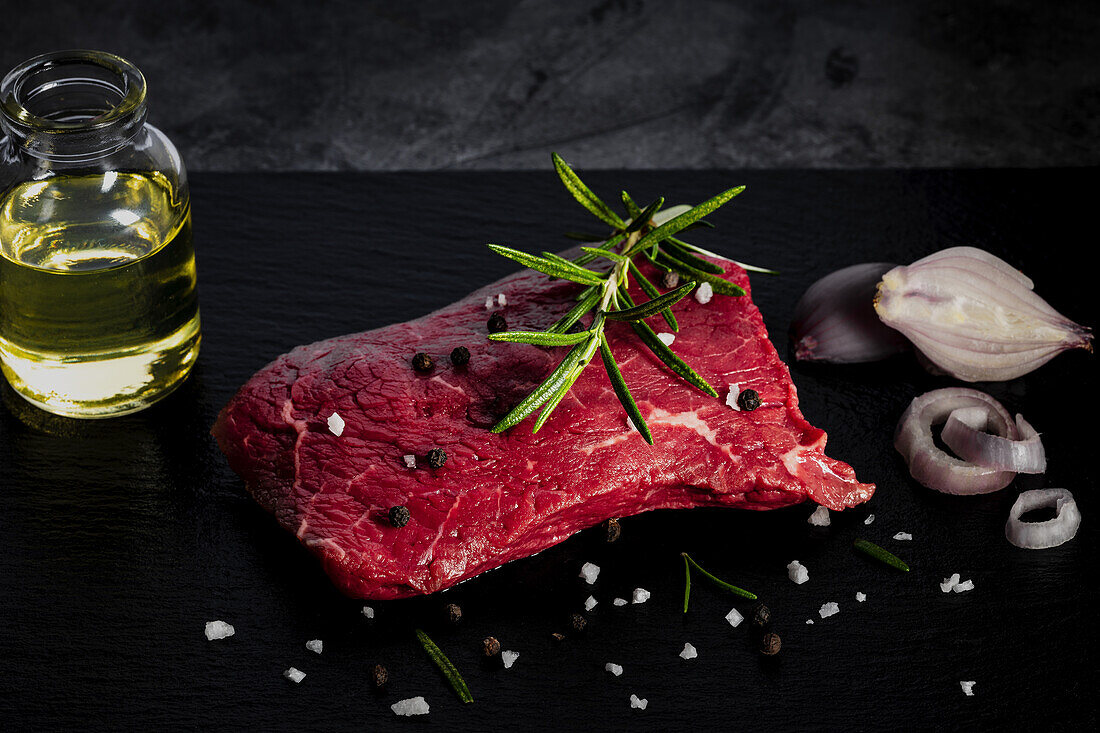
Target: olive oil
98,309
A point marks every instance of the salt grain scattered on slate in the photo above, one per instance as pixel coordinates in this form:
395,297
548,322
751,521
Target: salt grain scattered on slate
218,630
641,595
903,536
294,675
620,602
861,597
967,687
949,583
809,621
411,706
829,609
964,586
638,702
590,603
734,617
667,338
590,572
870,518
615,669
509,658
688,652
336,424
410,461
704,293
820,517
797,572
315,645
368,611
731,397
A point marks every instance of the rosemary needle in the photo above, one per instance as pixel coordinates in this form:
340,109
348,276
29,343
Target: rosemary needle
880,554
445,666
717,581
687,580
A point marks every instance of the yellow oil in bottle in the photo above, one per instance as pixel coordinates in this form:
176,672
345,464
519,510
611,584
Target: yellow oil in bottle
98,310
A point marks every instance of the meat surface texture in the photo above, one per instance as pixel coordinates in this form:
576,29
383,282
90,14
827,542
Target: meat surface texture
501,497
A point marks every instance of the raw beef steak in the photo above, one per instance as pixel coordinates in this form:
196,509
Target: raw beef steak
507,496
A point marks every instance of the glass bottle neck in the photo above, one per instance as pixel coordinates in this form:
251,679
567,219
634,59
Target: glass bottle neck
72,106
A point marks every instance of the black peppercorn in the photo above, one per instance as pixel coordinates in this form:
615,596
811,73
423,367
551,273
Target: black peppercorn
497,323
748,400
399,516
379,675
577,622
613,529
422,362
437,457
490,646
454,612
761,616
670,280
770,644
460,356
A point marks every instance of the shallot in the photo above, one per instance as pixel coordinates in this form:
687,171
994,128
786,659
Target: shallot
974,316
1041,535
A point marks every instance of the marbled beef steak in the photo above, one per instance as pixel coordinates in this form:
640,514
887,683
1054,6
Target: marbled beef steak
507,496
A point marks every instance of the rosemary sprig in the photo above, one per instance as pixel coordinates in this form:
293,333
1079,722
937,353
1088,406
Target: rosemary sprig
445,666
717,581
647,233
870,548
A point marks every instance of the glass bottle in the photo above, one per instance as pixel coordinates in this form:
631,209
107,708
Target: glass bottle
98,309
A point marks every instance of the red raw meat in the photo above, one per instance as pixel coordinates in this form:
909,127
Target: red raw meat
504,497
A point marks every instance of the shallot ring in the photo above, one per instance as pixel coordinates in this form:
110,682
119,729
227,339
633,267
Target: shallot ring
1050,533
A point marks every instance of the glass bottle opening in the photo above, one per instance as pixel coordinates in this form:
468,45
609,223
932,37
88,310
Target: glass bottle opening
74,104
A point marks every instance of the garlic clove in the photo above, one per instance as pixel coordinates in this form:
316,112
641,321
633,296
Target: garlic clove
835,321
974,316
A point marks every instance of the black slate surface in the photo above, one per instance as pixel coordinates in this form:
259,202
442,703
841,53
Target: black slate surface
119,539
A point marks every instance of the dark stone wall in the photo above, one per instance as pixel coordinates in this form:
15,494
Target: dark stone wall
323,85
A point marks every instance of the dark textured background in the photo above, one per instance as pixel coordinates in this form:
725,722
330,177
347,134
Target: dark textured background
120,538
339,84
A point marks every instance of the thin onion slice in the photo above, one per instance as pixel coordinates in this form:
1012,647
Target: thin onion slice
931,466
964,433
1052,532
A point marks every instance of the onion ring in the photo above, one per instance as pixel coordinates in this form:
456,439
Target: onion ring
964,434
931,466
1052,532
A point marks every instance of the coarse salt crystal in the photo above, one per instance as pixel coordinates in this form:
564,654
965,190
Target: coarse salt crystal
949,583
731,398
411,706
797,572
501,300
828,609
704,293
218,630
590,603
861,597
641,595
688,652
368,611
820,517
967,687
410,461
667,338
964,586
734,617
336,424
903,536
294,675
870,518
509,658
590,572
638,702
615,669
620,602
315,645
489,303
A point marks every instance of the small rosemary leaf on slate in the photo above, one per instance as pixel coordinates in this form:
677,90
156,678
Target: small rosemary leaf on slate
445,666
718,581
870,548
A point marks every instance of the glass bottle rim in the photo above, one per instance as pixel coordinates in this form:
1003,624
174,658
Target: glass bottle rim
13,89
